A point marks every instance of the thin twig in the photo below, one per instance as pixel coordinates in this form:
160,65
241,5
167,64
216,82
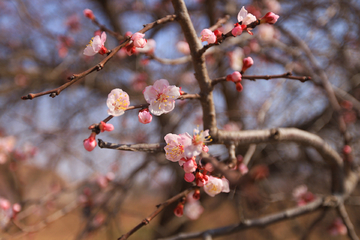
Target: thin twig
287,75
76,77
160,207
314,223
345,217
140,147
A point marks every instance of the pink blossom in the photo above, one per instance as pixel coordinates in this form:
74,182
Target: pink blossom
236,59
190,166
89,14
161,97
209,167
189,177
208,36
270,18
266,32
96,45
337,227
234,77
148,48
216,185
247,63
90,143
198,140
183,47
106,127
193,210
243,168
102,181
144,116
4,204
175,146
117,102
138,40
245,18
16,207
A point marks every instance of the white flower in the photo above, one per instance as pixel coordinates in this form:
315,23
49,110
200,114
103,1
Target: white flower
198,141
245,17
161,97
216,185
175,146
117,102
96,45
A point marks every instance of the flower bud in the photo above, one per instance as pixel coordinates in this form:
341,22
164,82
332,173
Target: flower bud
247,63
239,87
237,30
106,127
270,18
196,194
189,177
89,14
234,77
179,210
90,143
145,116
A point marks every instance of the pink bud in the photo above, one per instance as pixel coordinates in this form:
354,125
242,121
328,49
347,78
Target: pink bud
90,143
89,14
236,31
189,177
209,167
234,77
247,63
190,166
145,116
270,18
179,210
4,204
239,87
196,194
208,36
106,127
138,40
347,149
16,207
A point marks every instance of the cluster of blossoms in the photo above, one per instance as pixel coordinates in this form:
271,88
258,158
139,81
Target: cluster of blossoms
96,44
137,41
244,20
7,211
184,149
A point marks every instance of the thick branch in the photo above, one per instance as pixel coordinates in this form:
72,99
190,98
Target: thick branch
201,73
294,135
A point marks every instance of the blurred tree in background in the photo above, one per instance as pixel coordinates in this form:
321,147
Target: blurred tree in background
292,140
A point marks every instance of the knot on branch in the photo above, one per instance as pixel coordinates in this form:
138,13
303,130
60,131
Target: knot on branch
274,134
332,201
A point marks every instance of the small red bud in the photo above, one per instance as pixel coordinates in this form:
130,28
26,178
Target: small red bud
89,14
179,210
347,149
239,87
196,194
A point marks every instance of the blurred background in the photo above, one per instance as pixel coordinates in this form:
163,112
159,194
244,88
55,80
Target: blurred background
66,192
